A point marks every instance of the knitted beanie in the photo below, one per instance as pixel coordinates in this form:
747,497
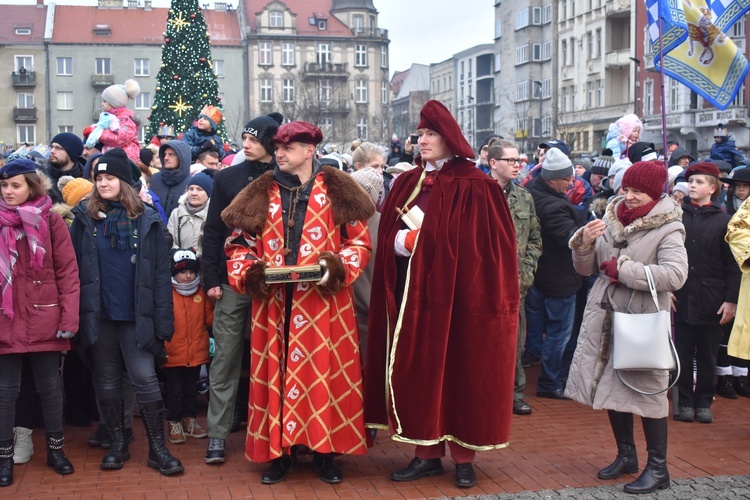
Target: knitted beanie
115,162
556,165
118,95
146,156
212,114
371,180
203,181
73,189
602,164
682,187
183,259
71,143
264,128
647,177
584,162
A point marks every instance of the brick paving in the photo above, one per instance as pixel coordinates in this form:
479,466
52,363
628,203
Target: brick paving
554,453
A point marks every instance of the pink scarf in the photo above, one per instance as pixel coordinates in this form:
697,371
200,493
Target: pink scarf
27,220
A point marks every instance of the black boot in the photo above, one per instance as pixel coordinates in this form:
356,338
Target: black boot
159,457
55,456
113,416
327,469
627,458
6,462
655,475
741,387
725,387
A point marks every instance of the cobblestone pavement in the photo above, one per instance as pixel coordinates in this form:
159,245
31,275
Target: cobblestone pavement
709,488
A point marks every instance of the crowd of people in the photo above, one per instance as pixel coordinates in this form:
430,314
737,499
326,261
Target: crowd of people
323,297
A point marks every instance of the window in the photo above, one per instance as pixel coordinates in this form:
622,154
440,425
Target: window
599,93
740,99
536,88
265,54
498,62
325,91
143,100
521,125
738,28
522,91
103,66
326,124
61,129
361,91
522,54
573,98
564,10
276,19
287,54
362,128
23,31
324,53
65,100
498,29
463,68
674,95
359,24
142,131
599,42
648,97
547,14
25,100
266,90
546,51
288,88
360,58
384,92
522,18
219,68
536,16
564,52
546,125
572,50
64,66
589,95
26,62
142,67
372,25
26,133
536,52
589,45
383,56
564,99
322,24
573,8
547,88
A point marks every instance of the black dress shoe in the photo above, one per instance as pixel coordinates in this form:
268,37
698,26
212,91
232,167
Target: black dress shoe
465,476
278,469
419,467
521,407
327,469
555,394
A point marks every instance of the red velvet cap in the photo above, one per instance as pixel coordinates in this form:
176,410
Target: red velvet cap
704,168
435,116
304,132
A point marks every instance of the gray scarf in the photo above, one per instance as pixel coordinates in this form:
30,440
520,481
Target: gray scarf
186,289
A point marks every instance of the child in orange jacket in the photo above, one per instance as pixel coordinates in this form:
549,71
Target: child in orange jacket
189,347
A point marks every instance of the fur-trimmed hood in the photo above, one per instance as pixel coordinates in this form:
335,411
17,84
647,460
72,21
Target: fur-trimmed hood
665,211
249,210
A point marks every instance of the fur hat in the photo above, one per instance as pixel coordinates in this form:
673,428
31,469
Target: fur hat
435,116
115,162
203,181
74,189
647,177
183,259
371,180
212,114
71,143
118,95
556,165
264,128
304,132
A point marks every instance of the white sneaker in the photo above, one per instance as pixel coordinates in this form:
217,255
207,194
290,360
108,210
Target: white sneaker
23,446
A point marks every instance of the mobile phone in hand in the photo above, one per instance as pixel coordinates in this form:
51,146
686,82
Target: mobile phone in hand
414,139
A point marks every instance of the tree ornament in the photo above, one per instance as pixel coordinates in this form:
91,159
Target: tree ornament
203,59
176,77
166,40
192,16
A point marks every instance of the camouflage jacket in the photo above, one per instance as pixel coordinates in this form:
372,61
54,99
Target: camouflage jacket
528,233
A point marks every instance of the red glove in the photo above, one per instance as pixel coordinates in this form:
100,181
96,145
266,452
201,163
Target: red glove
411,238
610,269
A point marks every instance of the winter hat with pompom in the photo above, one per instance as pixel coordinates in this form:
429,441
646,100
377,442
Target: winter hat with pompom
118,95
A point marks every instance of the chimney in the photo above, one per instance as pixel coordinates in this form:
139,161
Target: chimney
147,4
132,4
220,6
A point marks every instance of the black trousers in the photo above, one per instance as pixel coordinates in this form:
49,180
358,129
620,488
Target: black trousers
723,358
180,390
702,343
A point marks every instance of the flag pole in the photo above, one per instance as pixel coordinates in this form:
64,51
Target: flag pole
663,103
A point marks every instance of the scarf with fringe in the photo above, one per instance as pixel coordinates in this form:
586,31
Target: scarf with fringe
118,227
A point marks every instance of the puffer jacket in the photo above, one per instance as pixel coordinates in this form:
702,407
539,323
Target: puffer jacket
189,344
126,137
657,241
45,300
186,228
153,292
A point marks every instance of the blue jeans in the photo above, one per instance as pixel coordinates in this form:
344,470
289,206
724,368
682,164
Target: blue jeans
552,316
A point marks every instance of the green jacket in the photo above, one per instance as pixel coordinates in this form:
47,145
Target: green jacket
528,233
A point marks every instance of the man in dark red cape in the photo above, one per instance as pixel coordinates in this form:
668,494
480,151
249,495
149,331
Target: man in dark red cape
444,308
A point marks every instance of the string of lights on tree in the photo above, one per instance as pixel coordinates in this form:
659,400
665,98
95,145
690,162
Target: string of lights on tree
186,81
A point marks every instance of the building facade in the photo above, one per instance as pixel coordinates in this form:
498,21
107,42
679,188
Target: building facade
475,92
411,90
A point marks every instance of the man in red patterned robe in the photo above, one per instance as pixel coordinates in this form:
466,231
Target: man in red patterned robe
306,379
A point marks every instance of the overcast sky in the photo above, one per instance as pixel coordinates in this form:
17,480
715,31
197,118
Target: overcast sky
421,31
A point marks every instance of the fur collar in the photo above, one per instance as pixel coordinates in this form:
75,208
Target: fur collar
664,212
249,210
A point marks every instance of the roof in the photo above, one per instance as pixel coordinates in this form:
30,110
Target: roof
22,16
304,9
75,25
397,80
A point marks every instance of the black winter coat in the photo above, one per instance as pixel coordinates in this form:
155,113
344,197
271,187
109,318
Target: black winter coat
227,184
154,313
559,218
713,274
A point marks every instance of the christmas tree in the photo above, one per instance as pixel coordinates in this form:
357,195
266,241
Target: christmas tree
186,80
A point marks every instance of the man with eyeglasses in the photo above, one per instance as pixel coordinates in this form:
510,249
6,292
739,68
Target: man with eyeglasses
505,163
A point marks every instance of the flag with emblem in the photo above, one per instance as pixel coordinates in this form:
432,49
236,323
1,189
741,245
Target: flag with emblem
698,51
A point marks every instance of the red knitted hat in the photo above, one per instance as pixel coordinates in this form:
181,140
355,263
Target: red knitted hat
647,177
435,116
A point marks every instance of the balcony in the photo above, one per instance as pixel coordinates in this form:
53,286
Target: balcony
613,7
567,72
711,118
102,80
24,114
27,80
594,66
617,58
325,70
333,106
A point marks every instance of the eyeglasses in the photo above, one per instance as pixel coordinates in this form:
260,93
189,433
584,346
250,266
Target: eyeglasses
512,160
55,147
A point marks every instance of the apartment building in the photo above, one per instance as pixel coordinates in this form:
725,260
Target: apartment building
475,92
325,62
442,83
410,90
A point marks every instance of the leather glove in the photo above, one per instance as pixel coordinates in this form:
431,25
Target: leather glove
255,281
62,334
334,273
411,239
610,269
